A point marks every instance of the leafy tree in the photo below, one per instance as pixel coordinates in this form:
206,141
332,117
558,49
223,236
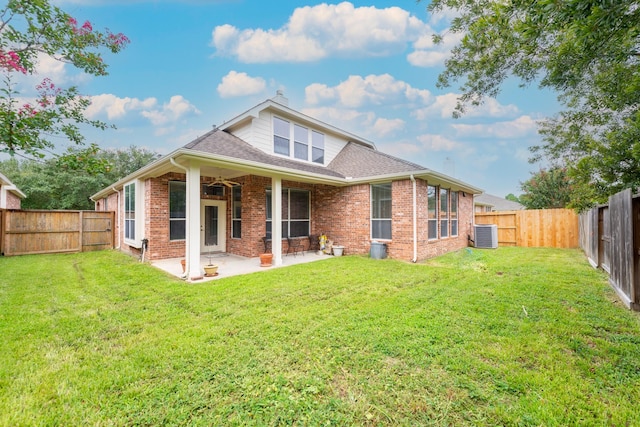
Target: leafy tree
547,189
512,197
585,50
49,186
30,29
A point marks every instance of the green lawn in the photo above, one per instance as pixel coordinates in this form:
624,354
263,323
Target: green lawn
511,336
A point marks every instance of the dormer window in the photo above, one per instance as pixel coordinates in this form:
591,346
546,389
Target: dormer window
308,145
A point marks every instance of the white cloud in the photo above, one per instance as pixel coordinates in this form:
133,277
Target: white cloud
438,143
444,106
518,128
118,108
429,54
316,32
171,112
358,91
384,127
240,84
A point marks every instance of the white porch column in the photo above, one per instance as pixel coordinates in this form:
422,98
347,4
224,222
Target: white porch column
276,220
193,222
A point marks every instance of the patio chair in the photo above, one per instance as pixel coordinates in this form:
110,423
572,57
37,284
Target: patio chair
267,244
314,242
295,246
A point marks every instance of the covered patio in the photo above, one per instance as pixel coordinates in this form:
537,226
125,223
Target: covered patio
233,265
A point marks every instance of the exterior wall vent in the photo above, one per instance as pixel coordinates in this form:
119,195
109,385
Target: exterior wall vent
486,236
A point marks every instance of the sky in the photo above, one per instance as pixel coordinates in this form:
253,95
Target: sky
369,68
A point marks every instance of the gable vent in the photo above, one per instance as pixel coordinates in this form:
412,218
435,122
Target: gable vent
486,236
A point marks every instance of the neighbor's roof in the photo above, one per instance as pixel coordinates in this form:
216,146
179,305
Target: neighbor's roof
10,186
498,203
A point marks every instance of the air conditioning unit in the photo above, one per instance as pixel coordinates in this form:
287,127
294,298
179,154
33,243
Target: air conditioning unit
486,236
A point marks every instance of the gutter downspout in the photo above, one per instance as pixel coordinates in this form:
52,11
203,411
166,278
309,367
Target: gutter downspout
415,224
186,252
119,216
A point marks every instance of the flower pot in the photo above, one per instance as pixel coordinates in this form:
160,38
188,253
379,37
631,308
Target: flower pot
183,262
210,270
265,260
337,250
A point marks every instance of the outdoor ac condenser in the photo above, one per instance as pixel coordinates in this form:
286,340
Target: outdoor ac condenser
486,236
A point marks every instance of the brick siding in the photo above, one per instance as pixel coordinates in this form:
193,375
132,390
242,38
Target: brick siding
342,213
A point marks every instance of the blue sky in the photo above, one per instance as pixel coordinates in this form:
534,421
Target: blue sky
366,67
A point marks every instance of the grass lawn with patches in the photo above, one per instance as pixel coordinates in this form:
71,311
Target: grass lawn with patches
513,336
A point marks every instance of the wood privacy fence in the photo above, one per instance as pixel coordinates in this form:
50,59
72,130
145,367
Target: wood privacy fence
554,228
610,236
42,232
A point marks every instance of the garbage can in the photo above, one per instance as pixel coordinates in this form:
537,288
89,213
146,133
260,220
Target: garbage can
378,250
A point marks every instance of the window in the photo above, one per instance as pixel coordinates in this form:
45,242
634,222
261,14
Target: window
317,150
300,142
444,212
130,211
296,213
381,211
280,136
177,210
303,140
432,217
454,213
236,212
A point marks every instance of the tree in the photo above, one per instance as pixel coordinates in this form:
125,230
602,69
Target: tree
512,197
49,186
547,189
585,50
30,29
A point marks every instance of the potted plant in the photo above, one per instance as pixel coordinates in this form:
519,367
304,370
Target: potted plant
266,259
210,269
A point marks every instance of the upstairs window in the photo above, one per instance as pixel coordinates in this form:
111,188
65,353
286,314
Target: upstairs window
281,136
308,144
381,211
300,142
317,150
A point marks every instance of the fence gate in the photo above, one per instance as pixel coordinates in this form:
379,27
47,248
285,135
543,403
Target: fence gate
97,231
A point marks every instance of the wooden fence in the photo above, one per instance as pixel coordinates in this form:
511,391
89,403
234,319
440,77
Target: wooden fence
555,228
610,237
41,232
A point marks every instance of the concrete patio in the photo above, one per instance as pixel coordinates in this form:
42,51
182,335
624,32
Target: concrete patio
233,265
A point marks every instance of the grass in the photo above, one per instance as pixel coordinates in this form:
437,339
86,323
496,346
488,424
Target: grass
511,336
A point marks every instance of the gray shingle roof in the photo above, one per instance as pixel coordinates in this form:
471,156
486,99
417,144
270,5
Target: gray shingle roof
355,160
358,161
498,203
224,144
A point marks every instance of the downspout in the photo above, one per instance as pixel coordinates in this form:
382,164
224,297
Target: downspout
119,215
415,223
186,252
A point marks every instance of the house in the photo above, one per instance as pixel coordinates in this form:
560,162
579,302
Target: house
489,203
10,195
275,173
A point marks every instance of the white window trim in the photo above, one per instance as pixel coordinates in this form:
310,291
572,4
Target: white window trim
371,219
138,213
292,142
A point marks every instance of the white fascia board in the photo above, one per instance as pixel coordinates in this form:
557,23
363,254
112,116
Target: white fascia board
428,175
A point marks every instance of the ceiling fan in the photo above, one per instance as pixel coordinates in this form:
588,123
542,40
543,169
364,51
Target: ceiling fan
222,181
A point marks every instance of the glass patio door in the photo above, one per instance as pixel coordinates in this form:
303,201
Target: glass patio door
212,226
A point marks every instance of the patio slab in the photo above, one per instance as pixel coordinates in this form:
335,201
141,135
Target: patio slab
233,265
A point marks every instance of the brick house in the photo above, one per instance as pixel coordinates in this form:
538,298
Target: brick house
10,195
273,172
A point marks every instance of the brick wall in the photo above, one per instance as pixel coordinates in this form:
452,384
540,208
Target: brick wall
342,213
13,201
